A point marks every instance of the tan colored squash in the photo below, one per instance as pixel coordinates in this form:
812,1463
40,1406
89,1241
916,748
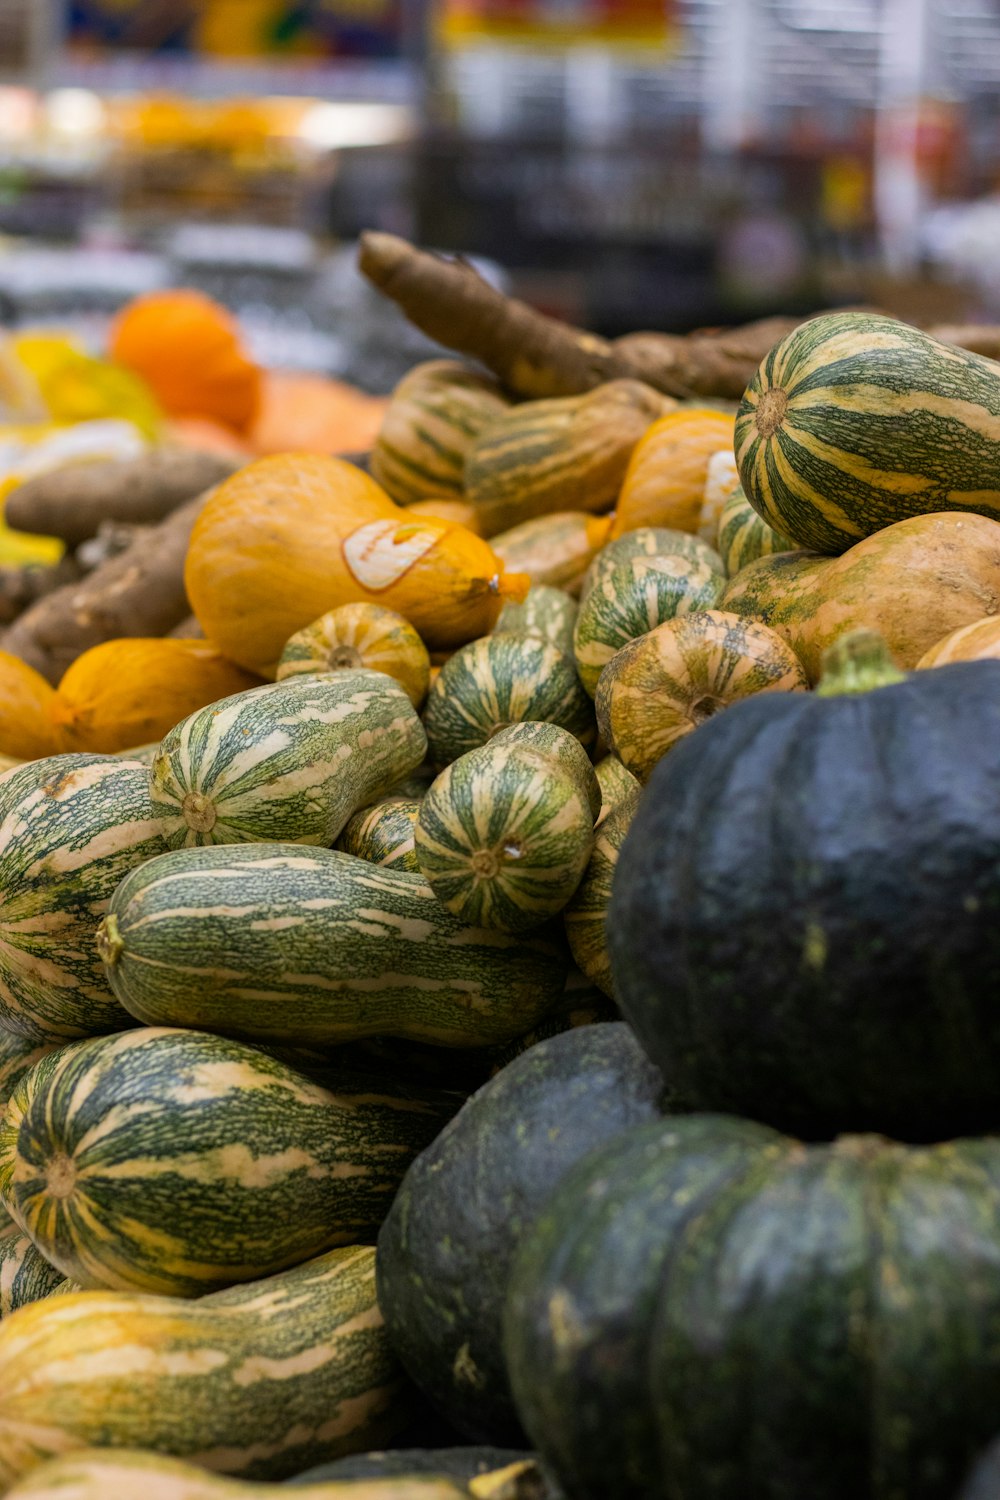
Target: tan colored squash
979,641
555,550
665,481
459,511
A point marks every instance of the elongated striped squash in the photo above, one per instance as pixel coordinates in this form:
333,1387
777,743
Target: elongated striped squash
435,415
280,943
71,826
547,612
361,635
289,761
648,541
25,1275
744,537
616,783
177,1162
500,680
634,599
128,1474
504,836
660,687
561,746
856,421
383,834
587,912
544,456
261,1380
555,549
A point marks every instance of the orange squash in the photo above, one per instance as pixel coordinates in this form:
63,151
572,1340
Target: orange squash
311,414
979,641
459,511
291,537
665,481
129,692
189,351
27,729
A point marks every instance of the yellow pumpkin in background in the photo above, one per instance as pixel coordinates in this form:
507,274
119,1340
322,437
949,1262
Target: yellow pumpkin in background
27,727
290,537
664,484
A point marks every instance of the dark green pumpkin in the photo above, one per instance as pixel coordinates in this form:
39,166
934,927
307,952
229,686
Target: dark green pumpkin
805,919
707,1310
446,1246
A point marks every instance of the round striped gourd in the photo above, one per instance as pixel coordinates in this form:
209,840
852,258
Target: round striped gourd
543,456
856,421
361,635
665,481
25,1275
547,612
586,914
288,761
743,536
979,641
648,541
661,687
615,782
555,549
109,1474
633,600
383,834
260,1381
500,680
285,944
17,1055
560,745
178,1162
71,827
504,836
436,413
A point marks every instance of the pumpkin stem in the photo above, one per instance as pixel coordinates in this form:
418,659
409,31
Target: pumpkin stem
857,663
110,943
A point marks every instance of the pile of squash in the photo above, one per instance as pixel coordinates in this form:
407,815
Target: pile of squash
511,1013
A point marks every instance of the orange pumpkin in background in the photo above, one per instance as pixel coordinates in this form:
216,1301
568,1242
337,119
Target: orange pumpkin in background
27,730
190,352
665,480
302,413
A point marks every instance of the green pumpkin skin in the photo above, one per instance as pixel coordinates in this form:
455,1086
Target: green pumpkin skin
762,1318
383,834
547,612
447,1243
648,541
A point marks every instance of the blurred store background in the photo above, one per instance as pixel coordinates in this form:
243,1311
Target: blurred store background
623,163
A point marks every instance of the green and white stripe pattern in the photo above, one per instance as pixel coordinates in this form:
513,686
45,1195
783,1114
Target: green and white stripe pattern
435,415
17,1055
587,913
548,613
499,680
177,1162
25,1274
632,600
284,944
383,835
616,783
561,746
361,635
743,536
504,836
260,1381
648,541
855,421
71,827
289,761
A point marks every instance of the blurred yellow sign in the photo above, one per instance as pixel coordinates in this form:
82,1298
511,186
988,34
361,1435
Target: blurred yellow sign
627,23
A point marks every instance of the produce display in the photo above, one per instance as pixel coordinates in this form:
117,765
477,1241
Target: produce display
499,896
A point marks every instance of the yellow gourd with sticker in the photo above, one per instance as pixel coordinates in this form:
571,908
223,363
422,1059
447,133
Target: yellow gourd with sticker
289,538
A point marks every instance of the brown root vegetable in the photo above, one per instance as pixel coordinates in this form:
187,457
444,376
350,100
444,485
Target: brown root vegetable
138,593
73,501
21,587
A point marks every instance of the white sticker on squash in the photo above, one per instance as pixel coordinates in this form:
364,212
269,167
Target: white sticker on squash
380,553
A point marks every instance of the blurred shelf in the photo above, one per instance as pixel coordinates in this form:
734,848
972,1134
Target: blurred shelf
381,82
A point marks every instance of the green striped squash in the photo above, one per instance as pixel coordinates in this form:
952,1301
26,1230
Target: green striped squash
660,687
383,834
570,451
261,1381
361,635
128,1474
436,413
855,421
743,536
289,761
616,783
500,680
554,550
144,754
547,612
279,943
504,836
565,748
634,599
18,1054
412,787
586,915
648,541
25,1275
71,826
177,1162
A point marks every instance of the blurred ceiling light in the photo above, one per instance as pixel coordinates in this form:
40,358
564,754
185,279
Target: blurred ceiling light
329,127
75,113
